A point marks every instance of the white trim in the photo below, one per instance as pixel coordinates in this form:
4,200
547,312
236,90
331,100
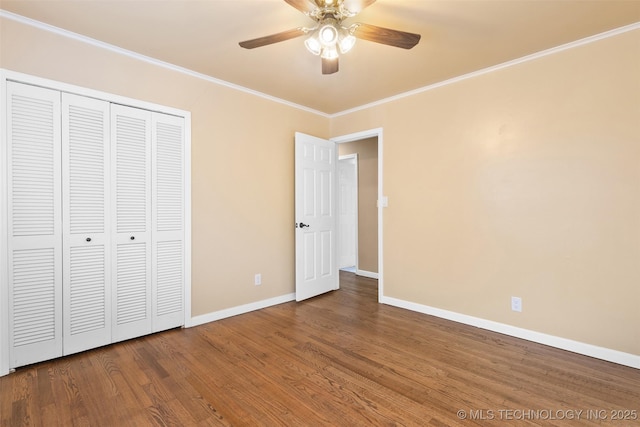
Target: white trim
240,309
603,353
9,75
187,220
4,239
102,45
365,273
493,68
376,132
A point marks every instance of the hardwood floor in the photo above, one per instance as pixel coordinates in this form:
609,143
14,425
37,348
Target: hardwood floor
340,359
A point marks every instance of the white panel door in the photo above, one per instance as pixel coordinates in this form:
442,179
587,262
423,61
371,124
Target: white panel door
86,220
131,229
315,170
35,224
347,211
167,221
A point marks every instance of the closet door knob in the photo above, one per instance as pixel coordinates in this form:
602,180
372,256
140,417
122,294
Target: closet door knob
133,237
88,239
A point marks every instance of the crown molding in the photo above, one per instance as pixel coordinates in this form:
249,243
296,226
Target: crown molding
106,46
533,56
88,40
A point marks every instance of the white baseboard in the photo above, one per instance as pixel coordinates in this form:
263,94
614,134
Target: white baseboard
241,309
365,273
603,353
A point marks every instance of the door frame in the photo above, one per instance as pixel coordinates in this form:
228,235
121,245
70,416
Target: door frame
348,157
382,200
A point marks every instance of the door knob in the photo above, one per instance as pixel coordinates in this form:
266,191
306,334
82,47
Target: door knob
88,239
303,225
133,238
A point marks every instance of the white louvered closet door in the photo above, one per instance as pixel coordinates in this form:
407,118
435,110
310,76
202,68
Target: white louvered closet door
86,220
131,227
168,221
34,224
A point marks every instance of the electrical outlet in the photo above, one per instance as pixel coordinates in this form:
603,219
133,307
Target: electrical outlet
383,202
257,280
516,304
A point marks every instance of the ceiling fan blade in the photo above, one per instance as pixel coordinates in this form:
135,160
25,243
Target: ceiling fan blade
329,66
356,6
386,36
273,38
303,6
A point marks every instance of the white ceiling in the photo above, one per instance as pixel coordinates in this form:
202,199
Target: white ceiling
458,37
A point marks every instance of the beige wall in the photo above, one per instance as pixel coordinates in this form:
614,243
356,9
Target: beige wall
367,150
242,161
521,182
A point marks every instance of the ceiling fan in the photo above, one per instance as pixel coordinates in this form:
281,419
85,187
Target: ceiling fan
329,35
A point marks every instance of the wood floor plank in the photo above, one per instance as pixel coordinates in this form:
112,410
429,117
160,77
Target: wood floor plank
340,359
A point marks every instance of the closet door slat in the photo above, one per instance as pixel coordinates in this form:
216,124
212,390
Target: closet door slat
86,223
131,234
168,221
34,218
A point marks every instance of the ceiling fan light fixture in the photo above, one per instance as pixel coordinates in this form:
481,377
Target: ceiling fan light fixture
313,45
346,44
346,40
329,53
328,35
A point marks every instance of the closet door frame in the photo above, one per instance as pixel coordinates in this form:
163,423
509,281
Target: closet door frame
8,75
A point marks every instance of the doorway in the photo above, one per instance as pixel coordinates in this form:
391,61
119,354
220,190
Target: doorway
347,205
365,148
